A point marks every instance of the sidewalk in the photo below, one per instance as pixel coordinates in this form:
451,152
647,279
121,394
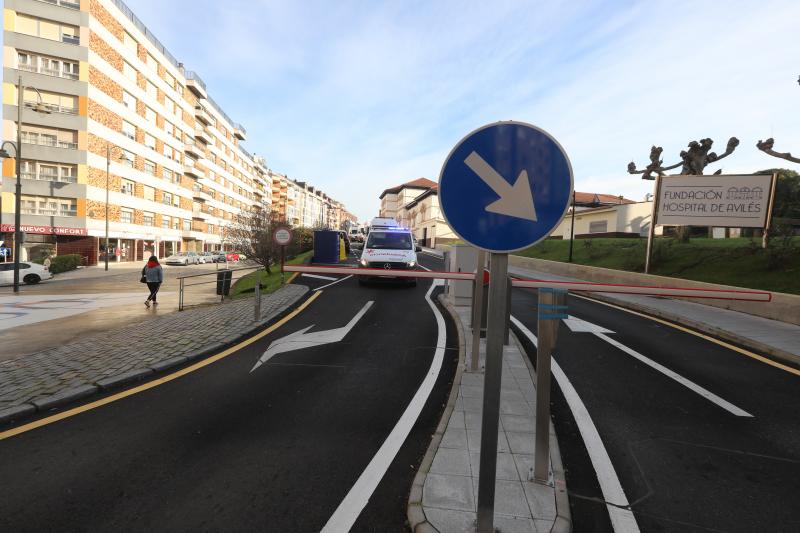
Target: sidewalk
778,339
445,494
59,375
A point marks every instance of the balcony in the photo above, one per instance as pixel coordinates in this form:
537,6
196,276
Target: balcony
202,134
43,140
201,214
53,108
239,132
190,147
49,212
36,69
193,171
201,114
200,195
196,84
48,176
70,39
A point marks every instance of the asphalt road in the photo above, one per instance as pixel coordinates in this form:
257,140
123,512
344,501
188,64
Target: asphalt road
685,463
226,449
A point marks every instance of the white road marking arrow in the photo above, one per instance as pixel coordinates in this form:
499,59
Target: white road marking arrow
300,339
515,201
576,325
581,326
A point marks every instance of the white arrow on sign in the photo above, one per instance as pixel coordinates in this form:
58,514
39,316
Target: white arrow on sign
515,200
300,339
581,326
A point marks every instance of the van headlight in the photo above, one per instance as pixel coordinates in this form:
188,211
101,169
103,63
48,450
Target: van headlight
411,264
363,263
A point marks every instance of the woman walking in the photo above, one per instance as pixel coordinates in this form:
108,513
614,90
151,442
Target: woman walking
153,274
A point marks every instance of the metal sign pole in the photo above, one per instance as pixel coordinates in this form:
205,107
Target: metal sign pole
770,206
491,390
652,231
257,300
552,308
283,260
477,310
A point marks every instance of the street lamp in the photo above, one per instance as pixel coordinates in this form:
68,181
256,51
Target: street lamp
39,107
124,157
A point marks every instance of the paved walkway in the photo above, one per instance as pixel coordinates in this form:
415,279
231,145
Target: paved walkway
450,491
51,377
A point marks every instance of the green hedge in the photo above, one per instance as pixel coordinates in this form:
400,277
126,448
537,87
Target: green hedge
63,263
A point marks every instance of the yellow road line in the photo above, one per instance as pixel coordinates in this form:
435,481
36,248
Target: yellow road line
724,344
156,382
291,278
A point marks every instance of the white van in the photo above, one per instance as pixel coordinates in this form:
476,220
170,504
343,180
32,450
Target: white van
389,248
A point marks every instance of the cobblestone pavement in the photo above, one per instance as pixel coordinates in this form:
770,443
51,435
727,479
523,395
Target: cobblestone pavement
55,376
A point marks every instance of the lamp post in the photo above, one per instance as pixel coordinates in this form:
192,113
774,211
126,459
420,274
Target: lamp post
108,170
41,108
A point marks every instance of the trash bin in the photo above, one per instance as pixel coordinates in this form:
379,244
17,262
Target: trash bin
326,246
224,278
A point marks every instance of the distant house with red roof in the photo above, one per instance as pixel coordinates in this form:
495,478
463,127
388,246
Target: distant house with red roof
393,199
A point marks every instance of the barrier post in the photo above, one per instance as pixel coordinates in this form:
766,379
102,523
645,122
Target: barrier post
552,309
477,310
180,295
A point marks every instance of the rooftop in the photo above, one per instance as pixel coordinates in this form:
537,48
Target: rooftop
419,183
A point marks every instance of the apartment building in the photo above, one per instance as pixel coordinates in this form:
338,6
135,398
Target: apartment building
394,198
113,123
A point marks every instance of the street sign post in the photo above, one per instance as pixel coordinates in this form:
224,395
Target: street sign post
282,236
504,187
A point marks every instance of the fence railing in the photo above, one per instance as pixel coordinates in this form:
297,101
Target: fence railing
183,284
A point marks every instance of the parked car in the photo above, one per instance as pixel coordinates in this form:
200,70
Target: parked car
218,256
29,273
207,257
183,258
231,256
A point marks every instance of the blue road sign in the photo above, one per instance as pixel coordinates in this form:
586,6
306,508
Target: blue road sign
505,186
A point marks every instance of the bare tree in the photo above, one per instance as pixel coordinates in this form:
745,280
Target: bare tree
766,147
250,232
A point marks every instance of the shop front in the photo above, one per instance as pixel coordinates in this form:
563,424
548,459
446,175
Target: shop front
41,242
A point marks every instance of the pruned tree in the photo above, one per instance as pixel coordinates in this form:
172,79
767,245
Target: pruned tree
766,147
250,232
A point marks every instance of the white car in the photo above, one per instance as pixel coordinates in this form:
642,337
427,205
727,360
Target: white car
389,248
184,258
29,273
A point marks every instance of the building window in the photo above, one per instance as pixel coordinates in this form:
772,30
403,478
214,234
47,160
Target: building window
56,102
599,226
149,193
128,130
44,136
49,66
129,71
168,175
129,42
187,225
127,187
176,223
150,115
149,167
54,31
152,64
128,159
165,220
34,170
149,141
126,215
151,90
166,199
128,100
168,151
43,205
147,219
169,127
169,79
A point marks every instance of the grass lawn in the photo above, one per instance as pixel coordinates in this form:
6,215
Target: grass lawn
740,262
269,282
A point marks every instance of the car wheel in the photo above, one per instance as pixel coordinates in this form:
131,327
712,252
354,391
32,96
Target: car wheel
31,279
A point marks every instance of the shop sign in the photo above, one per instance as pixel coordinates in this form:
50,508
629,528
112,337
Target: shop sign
47,230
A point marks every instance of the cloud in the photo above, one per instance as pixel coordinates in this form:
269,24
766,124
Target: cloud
356,97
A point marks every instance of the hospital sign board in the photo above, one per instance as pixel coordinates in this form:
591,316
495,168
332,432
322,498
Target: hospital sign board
740,201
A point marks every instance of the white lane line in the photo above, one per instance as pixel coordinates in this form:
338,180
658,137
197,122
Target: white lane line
334,283
622,518
346,514
426,268
691,385
318,276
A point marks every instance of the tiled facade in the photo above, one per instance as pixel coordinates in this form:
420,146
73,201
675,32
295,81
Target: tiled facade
176,174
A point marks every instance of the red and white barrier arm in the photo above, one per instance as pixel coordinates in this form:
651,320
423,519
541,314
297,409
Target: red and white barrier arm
645,290
371,272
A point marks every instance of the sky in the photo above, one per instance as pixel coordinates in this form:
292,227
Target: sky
357,97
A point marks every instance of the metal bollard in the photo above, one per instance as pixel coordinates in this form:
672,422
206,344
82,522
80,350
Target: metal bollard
180,295
257,305
552,309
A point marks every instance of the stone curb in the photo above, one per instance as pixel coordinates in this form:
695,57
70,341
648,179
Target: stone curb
781,355
415,514
62,398
563,521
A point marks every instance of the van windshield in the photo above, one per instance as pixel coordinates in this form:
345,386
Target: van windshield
389,240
